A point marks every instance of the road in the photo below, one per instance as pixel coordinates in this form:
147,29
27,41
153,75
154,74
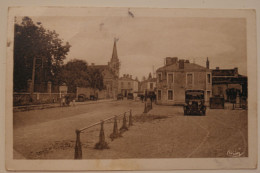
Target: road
35,129
163,133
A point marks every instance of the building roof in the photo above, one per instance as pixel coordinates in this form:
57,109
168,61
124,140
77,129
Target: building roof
99,67
105,70
151,80
224,72
229,80
187,67
127,78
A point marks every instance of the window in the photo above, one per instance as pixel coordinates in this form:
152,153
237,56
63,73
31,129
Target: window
208,78
170,95
170,78
189,79
159,94
129,84
122,84
151,85
159,75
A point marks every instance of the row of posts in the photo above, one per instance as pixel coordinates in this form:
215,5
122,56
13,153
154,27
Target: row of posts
102,144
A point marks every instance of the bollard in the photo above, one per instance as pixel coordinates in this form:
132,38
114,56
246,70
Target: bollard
145,108
102,144
78,149
115,133
124,126
130,118
151,104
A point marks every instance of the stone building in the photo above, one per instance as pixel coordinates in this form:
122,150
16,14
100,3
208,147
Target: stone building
110,74
127,84
148,85
177,76
228,83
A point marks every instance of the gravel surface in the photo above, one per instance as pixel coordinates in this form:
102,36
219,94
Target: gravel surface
162,133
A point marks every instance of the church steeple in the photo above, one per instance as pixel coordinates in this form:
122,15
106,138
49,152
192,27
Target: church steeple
114,63
114,54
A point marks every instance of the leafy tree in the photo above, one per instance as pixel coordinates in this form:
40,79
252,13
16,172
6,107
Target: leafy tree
95,79
34,41
75,74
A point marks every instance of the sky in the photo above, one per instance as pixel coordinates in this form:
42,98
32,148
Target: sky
144,42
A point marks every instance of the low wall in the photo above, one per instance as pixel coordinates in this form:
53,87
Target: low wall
20,99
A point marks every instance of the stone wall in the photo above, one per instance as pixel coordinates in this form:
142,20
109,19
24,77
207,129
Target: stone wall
20,99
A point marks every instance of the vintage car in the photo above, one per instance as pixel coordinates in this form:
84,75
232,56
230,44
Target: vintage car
93,97
130,96
120,97
81,97
194,102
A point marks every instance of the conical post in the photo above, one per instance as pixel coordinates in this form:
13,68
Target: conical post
78,148
115,133
130,118
102,144
124,126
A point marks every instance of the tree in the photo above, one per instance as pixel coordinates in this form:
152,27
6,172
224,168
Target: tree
33,43
95,79
75,74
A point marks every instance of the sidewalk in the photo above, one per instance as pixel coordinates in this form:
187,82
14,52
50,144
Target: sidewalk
54,105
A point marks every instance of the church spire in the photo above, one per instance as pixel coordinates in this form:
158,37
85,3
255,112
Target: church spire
114,63
114,54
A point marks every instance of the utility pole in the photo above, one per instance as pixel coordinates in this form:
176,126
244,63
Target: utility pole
33,75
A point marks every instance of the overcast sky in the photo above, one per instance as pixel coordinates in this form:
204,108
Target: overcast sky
144,42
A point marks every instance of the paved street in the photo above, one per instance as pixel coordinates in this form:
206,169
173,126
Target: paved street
163,133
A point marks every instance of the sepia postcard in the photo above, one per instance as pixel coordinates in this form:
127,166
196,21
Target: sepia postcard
98,88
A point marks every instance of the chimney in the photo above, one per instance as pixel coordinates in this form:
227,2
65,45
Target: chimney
92,64
207,63
124,75
217,68
181,64
174,60
168,61
187,61
236,71
171,60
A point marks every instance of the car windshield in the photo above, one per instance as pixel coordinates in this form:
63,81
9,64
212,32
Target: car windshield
194,95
